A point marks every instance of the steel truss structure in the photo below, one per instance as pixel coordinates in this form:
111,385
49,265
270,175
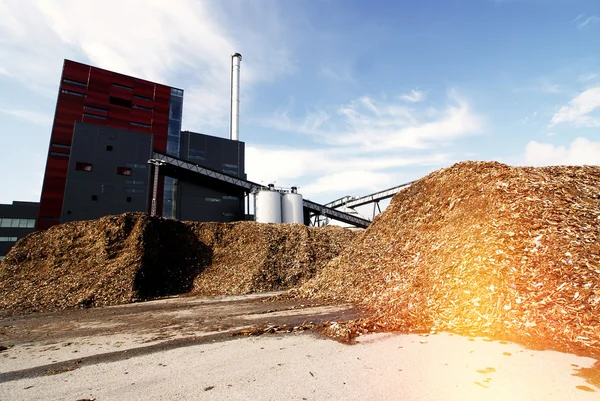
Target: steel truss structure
310,208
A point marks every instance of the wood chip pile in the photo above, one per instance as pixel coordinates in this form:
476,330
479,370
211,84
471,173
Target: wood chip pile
250,257
120,259
481,248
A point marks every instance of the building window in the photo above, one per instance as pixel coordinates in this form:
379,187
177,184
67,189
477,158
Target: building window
129,199
134,182
228,197
94,197
59,154
129,88
72,82
231,172
142,98
94,116
197,154
226,214
58,145
109,148
17,223
123,171
92,108
212,199
135,106
117,101
135,165
8,239
230,165
140,125
68,92
81,166
134,190
1,257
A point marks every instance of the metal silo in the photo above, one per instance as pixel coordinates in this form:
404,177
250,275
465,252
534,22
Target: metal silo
267,205
292,208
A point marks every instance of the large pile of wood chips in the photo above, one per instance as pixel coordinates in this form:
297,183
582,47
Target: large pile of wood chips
485,249
119,259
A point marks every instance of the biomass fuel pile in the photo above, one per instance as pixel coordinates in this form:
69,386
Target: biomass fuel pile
120,259
478,248
481,249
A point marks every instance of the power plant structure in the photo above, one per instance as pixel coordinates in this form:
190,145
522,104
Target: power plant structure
117,146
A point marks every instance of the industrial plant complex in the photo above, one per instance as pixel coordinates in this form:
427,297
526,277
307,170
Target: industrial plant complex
117,146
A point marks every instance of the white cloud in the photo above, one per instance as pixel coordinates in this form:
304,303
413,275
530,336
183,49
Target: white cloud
415,96
583,21
343,76
579,110
362,144
329,170
588,77
171,42
581,151
380,125
28,115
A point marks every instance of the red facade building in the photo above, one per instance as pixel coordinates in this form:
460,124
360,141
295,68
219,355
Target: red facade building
93,95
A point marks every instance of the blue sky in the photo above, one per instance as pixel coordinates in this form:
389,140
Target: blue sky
339,97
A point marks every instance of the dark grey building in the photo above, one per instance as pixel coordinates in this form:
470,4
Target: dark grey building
206,201
108,172
16,221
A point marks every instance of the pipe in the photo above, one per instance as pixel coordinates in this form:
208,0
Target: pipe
234,123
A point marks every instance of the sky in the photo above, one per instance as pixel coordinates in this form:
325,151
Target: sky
338,97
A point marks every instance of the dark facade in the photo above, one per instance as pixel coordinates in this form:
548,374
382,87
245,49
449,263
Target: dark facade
199,201
108,172
16,221
96,96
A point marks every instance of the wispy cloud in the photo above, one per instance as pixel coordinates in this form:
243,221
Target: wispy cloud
30,116
588,77
415,96
583,21
381,125
184,40
580,111
361,144
541,85
581,151
330,73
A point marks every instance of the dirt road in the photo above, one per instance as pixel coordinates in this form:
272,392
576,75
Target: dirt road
182,349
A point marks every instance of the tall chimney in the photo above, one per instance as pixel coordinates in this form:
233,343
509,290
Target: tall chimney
234,123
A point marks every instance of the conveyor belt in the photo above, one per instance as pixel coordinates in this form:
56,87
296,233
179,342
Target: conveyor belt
249,186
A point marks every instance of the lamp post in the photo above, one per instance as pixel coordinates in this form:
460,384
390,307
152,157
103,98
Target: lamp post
156,163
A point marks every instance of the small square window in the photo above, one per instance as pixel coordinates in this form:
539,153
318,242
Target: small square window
94,197
68,212
83,166
123,171
109,148
129,199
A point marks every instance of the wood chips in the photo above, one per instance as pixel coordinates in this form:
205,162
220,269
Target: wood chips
119,259
482,249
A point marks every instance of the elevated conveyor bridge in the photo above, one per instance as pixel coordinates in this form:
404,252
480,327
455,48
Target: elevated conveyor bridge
221,180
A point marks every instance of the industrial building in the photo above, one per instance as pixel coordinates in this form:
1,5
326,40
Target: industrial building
106,128
16,221
104,98
116,146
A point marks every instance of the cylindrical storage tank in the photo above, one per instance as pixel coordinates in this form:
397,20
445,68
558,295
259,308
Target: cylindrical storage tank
267,206
292,208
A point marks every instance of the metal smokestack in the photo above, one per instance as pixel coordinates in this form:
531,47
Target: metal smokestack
234,123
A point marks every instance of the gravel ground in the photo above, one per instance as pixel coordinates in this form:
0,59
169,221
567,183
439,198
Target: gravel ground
182,349
306,367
